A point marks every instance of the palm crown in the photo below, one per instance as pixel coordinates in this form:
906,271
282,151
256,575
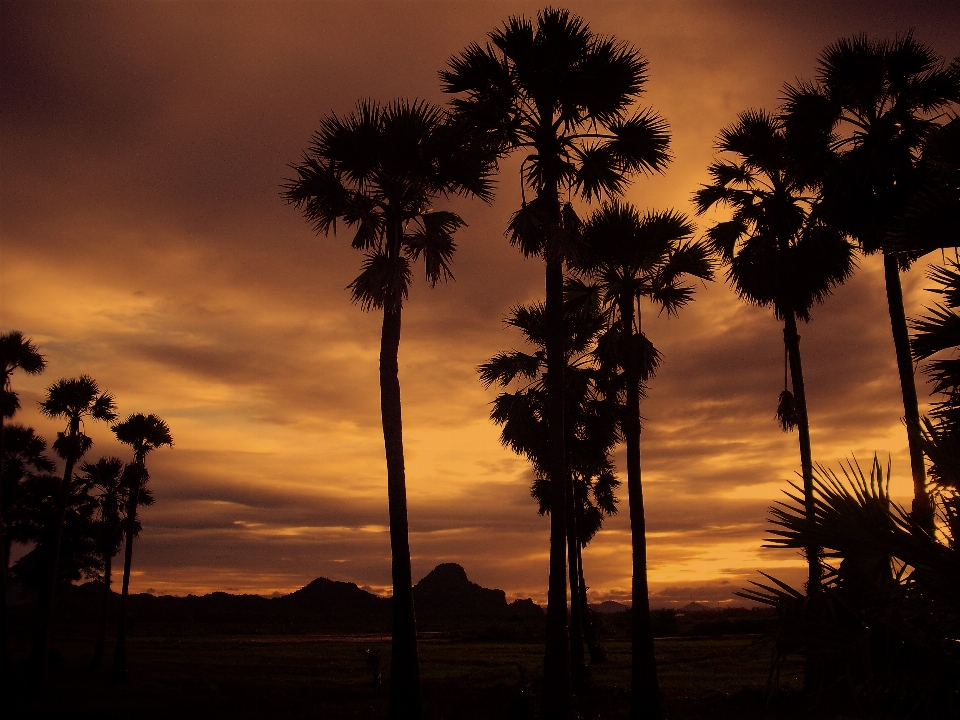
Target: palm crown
378,169
874,102
16,352
562,94
74,400
144,433
777,251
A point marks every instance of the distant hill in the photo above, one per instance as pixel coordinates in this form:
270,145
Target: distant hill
445,599
609,606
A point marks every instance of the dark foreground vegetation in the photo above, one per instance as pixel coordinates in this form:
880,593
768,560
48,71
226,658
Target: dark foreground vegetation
298,676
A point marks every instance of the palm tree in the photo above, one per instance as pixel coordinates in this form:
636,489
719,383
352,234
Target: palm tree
777,252
16,352
378,169
73,400
590,427
632,256
23,456
107,476
561,95
875,103
144,433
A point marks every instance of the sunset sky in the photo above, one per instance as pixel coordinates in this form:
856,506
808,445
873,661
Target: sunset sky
145,242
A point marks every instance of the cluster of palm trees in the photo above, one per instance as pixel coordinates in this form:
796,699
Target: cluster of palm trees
74,533
854,160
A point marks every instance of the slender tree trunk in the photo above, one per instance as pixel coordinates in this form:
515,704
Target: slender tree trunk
922,506
792,339
556,700
119,672
578,668
597,655
97,660
644,686
42,639
405,702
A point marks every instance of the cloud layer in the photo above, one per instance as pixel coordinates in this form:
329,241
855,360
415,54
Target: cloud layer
145,243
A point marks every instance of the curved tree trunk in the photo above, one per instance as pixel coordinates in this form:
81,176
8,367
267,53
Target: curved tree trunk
119,672
922,506
578,668
792,339
405,702
42,639
97,660
644,687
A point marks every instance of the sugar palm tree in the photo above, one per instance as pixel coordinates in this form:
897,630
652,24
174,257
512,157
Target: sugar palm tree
106,476
778,254
631,257
875,102
73,400
590,427
143,433
561,95
378,169
16,352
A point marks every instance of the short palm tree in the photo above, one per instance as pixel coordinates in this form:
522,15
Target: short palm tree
378,170
875,102
16,352
143,433
590,427
630,257
562,95
73,400
106,476
778,254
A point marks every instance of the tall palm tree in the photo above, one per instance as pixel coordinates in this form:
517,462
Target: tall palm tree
875,102
777,252
590,428
143,433
73,400
378,169
16,352
107,477
632,256
562,95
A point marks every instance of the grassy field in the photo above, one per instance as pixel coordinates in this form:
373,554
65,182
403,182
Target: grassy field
322,677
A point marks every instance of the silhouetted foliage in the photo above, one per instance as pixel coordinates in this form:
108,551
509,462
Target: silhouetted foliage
378,170
143,433
777,250
886,625
564,97
872,108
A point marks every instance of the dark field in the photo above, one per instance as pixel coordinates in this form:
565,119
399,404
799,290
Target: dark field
272,676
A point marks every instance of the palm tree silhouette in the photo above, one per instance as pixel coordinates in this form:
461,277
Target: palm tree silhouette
874,103
632,256
777,252
73,400
562,95
378,169
107,477
23,456
16,352
590,428
143,433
